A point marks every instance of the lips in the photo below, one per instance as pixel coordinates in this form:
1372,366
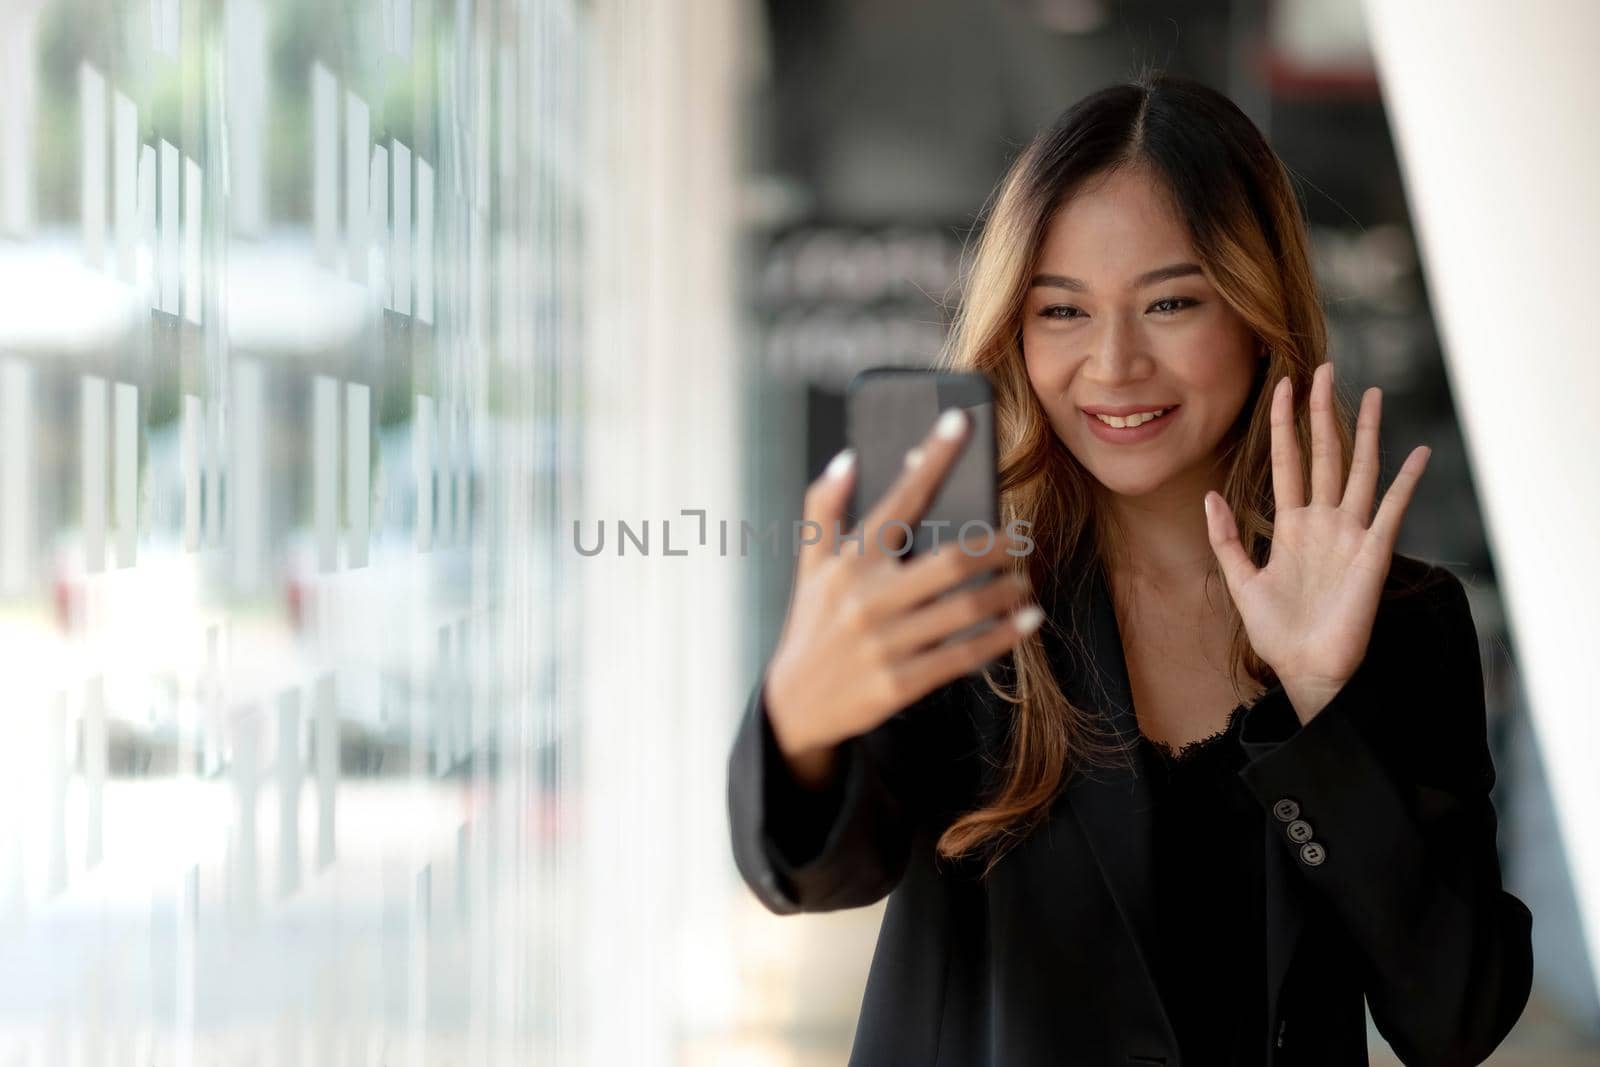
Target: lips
1135,419
1129,435
1123,410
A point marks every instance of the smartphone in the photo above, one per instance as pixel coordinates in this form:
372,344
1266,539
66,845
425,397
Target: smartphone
890,410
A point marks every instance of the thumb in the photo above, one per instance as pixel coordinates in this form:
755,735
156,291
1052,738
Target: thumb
1223,532
827,499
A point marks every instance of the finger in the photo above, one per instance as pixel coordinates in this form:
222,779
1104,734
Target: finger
946,663
1362,488
1327,467
912,492
925,577
1286,488
1223,532
933,623
824,509
1385,529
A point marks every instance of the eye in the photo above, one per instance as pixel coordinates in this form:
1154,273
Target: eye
1060,311
1181,301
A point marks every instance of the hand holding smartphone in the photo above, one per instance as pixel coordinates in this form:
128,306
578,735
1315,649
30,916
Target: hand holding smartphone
873,627
889,410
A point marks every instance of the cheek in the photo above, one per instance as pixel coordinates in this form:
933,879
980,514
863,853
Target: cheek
1047,367
1214,356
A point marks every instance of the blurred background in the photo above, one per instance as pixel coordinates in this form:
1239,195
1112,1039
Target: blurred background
394,395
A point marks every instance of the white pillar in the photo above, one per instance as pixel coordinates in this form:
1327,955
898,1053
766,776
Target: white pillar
1494,107
660,641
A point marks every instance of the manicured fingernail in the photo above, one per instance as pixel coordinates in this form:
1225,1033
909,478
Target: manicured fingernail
914,458
840,465
1028,619
950,424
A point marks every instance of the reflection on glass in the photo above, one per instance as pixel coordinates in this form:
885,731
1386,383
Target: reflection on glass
283,341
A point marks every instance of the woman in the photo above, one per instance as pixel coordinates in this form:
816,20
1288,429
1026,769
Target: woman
1230,774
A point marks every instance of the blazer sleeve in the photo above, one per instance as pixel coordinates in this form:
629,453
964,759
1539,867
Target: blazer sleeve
847,846
1390,781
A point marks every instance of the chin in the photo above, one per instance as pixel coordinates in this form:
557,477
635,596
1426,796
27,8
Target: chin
1130,484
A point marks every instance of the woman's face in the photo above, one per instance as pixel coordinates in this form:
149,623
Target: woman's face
1118,314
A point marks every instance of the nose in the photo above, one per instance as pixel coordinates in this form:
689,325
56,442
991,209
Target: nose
1114,352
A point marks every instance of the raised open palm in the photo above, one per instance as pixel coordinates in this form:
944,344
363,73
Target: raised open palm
1309,612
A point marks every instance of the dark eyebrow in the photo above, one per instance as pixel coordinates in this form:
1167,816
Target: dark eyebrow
1151,277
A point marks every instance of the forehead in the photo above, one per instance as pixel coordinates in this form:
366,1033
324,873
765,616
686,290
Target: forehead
1117,224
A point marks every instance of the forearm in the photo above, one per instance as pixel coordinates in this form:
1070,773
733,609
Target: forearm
821,844
1412,873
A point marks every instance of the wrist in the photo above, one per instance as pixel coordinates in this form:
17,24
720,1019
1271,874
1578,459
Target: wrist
1309,697
789,730
811,763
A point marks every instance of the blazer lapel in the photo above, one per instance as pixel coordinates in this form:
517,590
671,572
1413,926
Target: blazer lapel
1113,805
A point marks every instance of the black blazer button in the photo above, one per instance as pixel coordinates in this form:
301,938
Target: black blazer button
1299,831
1313,854
1286,810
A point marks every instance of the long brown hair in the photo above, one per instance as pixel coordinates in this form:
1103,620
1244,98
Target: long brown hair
1245,222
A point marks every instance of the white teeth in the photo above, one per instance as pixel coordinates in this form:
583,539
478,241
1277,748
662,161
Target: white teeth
1132,420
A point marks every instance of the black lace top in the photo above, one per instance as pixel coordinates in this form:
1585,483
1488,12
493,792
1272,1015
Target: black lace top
1210,964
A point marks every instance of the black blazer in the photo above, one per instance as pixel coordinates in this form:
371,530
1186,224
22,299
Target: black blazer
1382,874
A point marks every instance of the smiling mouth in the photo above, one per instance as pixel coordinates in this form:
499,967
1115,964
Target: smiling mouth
1135,429
1131,421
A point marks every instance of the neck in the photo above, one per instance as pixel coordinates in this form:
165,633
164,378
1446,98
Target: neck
1168,548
